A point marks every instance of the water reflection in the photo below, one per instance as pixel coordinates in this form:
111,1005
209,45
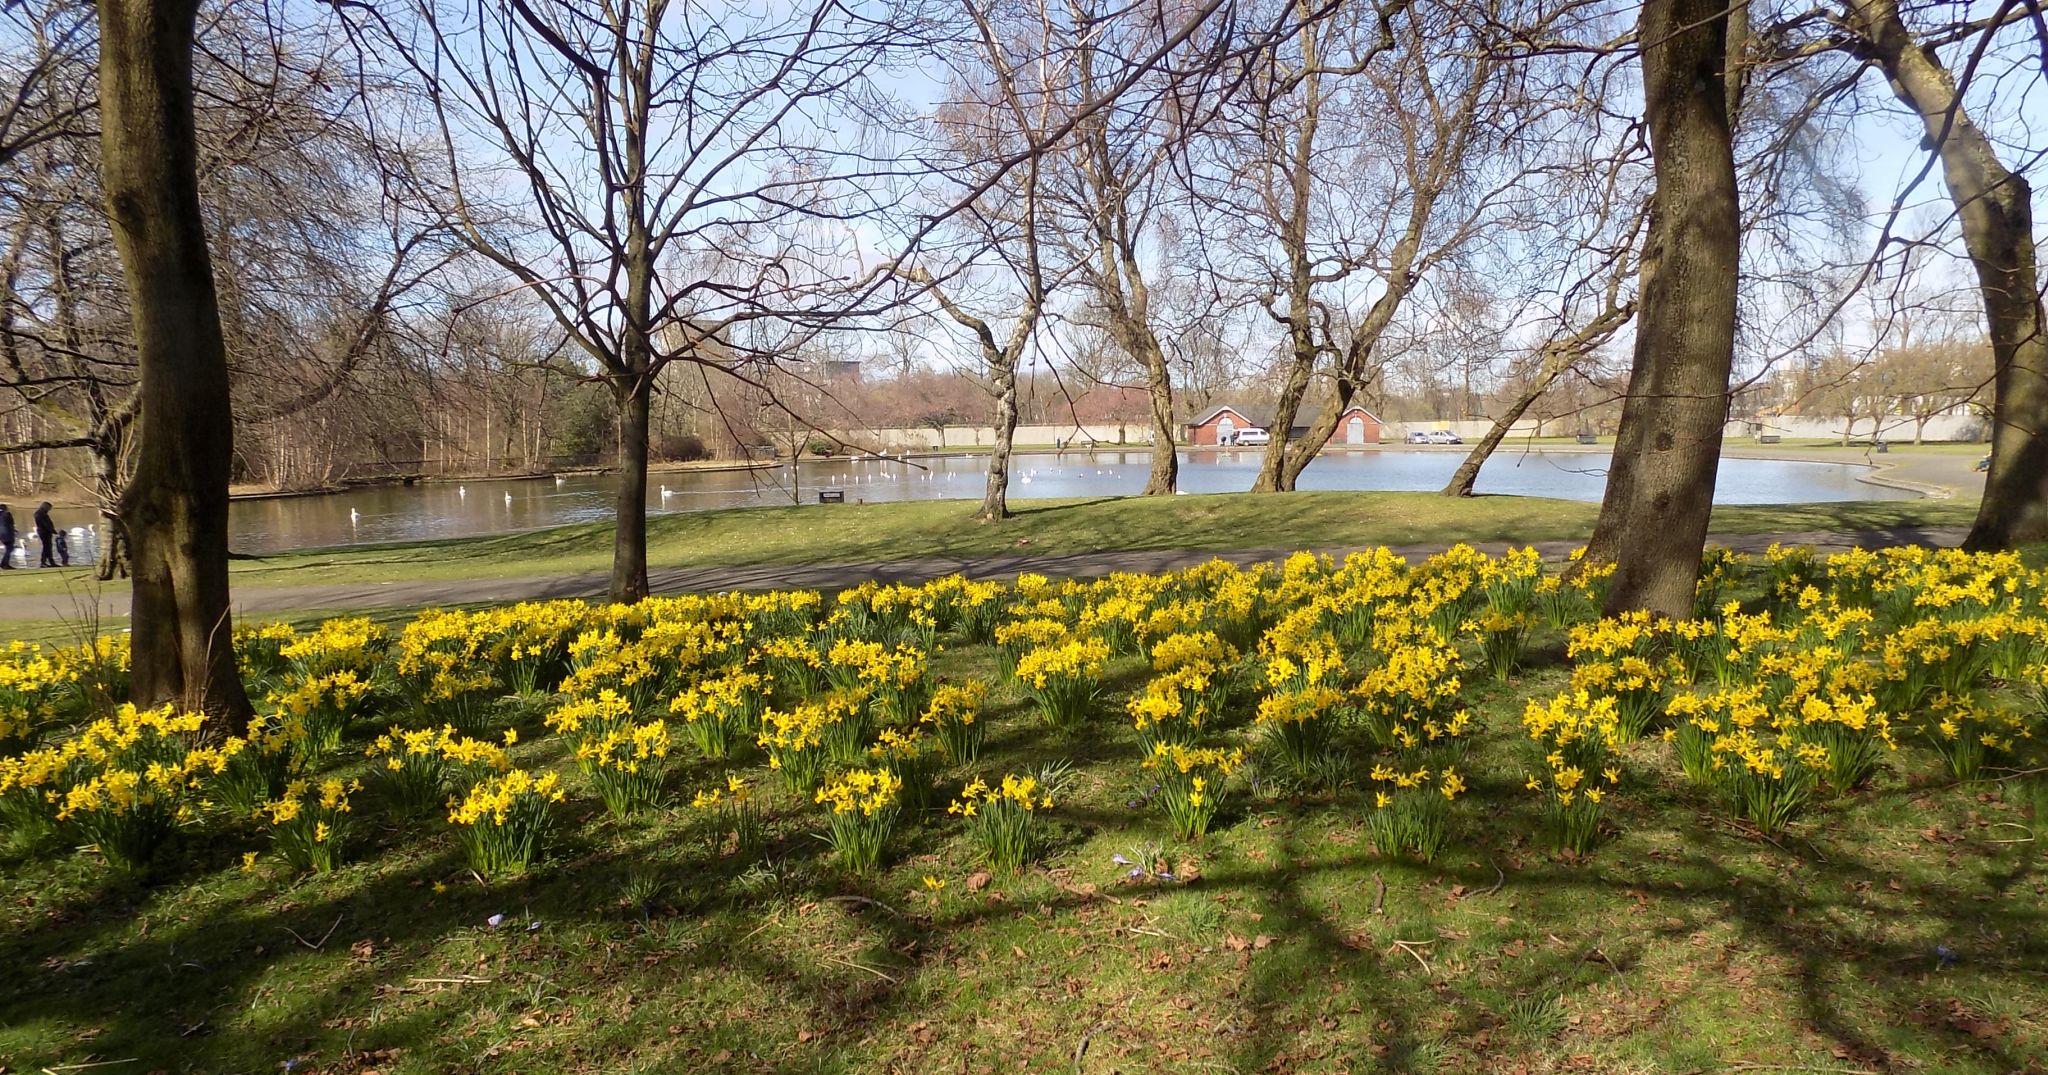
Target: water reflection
452,509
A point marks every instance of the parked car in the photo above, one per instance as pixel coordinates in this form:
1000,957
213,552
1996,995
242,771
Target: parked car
1444,436
1252,437
1417,436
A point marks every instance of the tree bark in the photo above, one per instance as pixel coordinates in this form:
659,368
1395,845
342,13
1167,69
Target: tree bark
1660,491
1165,475
1996,209
1274,474
1558,359
634,393
1467,474
176,508
995,497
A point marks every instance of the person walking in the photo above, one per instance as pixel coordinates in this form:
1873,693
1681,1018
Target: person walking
6,538
46,534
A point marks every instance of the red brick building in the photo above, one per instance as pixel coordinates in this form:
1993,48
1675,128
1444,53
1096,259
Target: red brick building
1356,426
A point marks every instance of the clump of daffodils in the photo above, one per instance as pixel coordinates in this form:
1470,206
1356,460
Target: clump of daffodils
1002,819
862,808
310,823
735,815
1412,809
1192,781
503,820
954,714
1063,678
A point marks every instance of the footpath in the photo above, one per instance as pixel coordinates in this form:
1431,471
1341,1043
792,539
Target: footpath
84,604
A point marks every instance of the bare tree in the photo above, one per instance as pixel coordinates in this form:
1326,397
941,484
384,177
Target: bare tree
289,186
1105,194
1660,491
176,509
1372,149
1995,207
1008,97
661,165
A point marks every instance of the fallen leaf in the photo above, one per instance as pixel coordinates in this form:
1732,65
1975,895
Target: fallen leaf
978,880
1261,941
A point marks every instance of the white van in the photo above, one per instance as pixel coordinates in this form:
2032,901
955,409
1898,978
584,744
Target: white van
1252,437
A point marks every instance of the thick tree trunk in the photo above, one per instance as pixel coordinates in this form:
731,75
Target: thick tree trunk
1660,491
1303,452
1165,476
1996,208
634,393
1274,474
176,508
995,499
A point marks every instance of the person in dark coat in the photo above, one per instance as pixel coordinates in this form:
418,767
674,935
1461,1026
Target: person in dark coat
46,534
6,538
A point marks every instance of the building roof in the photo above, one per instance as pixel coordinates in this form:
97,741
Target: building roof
1256,416
1263,417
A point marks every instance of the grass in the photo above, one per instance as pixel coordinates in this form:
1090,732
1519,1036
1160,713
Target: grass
1901,929
947,530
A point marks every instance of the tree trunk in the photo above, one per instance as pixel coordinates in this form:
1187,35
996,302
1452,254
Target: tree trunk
1274,474
1467,475
995,499
1165,476
106,469
1304,451
176,508
1660,491
634,393
1996,209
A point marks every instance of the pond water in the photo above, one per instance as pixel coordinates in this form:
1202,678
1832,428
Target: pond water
452,509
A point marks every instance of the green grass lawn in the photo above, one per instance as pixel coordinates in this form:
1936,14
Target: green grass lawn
857,533
1899,930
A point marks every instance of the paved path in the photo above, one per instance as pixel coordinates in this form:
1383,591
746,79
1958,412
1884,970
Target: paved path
415,594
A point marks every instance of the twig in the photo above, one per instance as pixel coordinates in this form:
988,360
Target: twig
323,937
1379,902
1081,1047
1803,1067
55,1068
1500,878
862,900
1409,947
1613,966
462,979
861,966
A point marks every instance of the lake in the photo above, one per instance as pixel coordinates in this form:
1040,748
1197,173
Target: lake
460,509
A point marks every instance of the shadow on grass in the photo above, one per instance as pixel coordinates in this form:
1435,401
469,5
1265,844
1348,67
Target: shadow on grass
1334,986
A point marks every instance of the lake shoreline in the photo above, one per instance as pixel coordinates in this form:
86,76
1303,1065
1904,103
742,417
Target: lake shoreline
401,481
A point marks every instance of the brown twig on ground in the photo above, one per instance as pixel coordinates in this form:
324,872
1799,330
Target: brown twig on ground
862,900
1081,1047
1379,903
1409,947
315,946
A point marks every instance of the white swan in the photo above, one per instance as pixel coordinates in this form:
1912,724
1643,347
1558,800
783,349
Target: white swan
508,500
